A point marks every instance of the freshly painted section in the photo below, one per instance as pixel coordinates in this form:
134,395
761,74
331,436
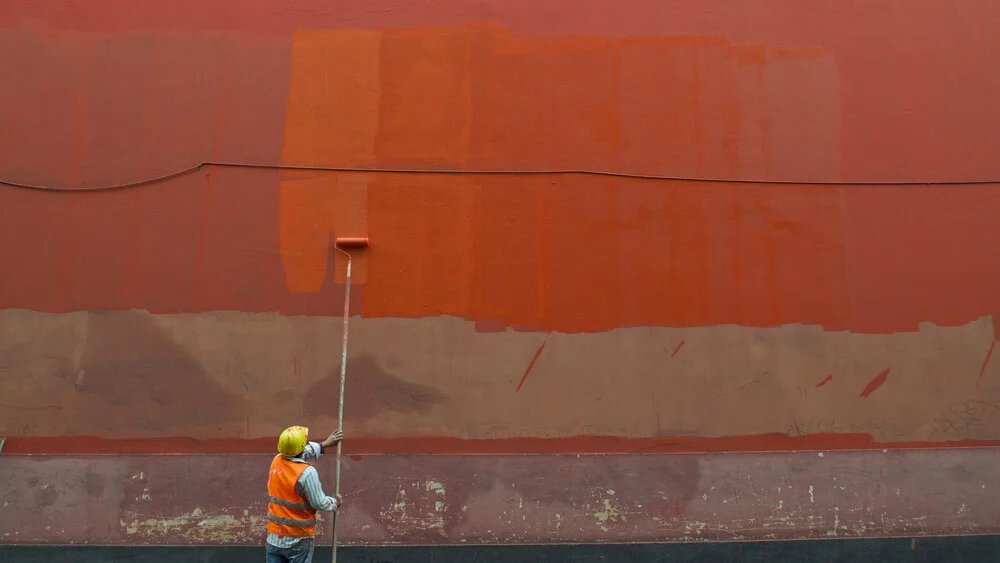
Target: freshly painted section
650,253
448,500
783,103
795,305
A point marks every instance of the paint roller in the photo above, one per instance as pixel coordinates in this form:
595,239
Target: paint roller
351,243
344,245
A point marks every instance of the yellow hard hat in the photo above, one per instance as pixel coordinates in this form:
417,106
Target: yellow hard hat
293,440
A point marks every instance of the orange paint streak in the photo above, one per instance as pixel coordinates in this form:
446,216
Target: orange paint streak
986,361
312,213
304,233
875,383
332,113
531,366
826,380
677,349
444,445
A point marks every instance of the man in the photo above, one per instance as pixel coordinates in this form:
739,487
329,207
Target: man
294,496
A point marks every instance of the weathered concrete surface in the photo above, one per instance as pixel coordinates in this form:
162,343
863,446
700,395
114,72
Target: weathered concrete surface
210,500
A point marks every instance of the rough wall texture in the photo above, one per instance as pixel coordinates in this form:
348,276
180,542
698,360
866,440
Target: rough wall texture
515,499
551,313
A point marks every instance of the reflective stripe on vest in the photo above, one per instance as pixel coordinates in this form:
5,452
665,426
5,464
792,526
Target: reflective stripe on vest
288,513
290,522
285,503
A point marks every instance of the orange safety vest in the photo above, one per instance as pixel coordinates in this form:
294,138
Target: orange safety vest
288,513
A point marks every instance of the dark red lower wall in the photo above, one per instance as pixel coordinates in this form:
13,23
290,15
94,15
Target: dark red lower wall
511,499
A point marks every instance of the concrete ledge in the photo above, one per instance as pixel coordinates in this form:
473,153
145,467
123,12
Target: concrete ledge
928,550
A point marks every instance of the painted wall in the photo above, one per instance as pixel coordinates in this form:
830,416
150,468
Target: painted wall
513,313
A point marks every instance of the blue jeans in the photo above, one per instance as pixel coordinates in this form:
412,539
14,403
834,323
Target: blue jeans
301,553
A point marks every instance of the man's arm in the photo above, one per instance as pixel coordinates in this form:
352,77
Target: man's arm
333,439
313,491
314,449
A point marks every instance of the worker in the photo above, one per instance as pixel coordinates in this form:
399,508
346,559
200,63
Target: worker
294,496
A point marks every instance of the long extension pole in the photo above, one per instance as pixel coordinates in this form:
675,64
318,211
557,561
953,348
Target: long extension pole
339,244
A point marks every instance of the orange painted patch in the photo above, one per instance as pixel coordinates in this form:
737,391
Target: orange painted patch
333,98
478,95
333,114
921,254
425,102
585,253
423,229
569,253
312,214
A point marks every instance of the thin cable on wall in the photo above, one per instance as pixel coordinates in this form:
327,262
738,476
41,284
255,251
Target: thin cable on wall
208,164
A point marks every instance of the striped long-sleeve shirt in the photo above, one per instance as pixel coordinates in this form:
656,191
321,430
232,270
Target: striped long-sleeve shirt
309,487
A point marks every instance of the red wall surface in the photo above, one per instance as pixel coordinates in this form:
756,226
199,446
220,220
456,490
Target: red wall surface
778,234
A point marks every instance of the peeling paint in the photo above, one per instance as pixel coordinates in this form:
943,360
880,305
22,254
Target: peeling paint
609,513
402,516
415,509
197,525
436,487
698,527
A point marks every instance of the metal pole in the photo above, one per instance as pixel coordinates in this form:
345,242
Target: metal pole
343,380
